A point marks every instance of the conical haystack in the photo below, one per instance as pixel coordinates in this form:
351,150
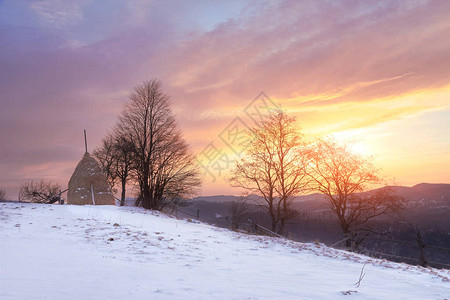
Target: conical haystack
88,184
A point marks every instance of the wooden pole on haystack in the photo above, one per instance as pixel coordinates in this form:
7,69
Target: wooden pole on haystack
85,140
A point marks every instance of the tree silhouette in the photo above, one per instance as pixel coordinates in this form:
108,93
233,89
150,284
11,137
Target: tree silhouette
163,163
274,167
342,176
116,155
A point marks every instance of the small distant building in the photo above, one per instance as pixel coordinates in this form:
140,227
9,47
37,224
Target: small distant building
88,184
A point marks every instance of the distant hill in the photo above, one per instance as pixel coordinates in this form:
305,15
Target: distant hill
424,195
428,205
218,198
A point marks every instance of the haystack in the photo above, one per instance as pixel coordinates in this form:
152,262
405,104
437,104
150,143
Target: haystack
88,184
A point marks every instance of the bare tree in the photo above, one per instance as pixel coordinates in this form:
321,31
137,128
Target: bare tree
39,192
238,209
106,155
343,176
2,194
116,157
164,165
274,167
124,151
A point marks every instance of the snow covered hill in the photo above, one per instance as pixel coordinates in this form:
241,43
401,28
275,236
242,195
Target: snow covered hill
106,252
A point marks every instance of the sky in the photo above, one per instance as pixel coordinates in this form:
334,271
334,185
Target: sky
376,73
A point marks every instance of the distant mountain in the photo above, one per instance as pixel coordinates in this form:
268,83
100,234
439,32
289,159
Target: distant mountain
430,194
218,198
426,193
428,204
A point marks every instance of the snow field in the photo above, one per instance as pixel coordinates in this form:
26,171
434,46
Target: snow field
107,252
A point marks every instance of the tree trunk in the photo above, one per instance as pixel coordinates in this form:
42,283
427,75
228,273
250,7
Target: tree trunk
124,183
281,228
347,232
274,221
146,197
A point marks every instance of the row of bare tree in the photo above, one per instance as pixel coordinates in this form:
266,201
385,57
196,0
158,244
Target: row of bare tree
146,149
279,164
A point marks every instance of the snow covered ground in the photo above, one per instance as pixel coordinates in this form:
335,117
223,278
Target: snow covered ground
106,252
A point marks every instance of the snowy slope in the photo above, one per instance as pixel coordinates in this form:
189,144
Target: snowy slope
106,252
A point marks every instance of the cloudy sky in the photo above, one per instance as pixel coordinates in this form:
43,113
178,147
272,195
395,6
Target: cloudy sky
374,72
